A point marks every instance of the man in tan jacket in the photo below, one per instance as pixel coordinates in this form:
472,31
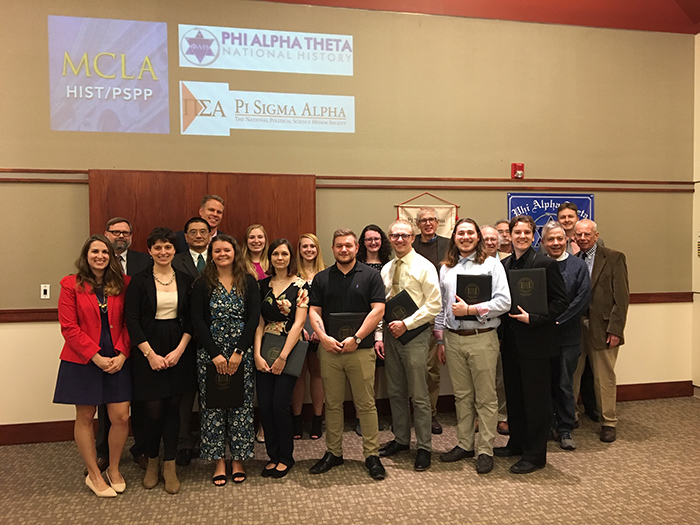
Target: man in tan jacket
604,324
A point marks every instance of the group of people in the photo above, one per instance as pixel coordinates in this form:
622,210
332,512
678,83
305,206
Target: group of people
147,332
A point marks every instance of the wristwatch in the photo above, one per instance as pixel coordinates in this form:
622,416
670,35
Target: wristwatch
357,339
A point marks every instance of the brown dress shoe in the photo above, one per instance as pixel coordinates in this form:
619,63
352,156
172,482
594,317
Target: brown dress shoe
502,428
608,434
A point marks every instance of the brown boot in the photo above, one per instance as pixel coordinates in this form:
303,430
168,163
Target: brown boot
172,484
150,478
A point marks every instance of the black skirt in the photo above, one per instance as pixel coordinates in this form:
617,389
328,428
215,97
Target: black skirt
150,385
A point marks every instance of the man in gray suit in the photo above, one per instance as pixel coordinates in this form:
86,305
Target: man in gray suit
192,261
604,324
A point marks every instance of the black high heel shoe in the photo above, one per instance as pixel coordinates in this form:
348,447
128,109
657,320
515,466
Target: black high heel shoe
298,426
317,427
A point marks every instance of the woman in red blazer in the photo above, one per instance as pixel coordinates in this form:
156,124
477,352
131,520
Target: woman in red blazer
94,368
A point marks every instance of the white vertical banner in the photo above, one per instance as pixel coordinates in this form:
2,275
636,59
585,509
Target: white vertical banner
446,216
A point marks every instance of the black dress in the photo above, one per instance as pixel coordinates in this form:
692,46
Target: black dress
88,384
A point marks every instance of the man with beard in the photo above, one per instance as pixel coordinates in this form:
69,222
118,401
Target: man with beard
118,231
431,246
347,287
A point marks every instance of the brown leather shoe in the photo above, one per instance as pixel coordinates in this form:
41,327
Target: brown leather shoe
608,434
502,428
435,426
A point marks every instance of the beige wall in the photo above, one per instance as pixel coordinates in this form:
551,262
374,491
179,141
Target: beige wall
694,236
435,96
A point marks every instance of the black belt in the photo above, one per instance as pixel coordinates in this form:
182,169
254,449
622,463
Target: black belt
470,332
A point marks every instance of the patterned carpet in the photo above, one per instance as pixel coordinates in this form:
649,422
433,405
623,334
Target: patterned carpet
650,475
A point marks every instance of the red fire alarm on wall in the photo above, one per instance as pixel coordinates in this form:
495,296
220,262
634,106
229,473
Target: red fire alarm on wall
517,170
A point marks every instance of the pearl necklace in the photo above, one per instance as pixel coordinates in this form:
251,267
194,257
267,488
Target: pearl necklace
161,282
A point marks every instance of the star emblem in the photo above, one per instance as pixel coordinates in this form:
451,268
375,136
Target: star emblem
200,46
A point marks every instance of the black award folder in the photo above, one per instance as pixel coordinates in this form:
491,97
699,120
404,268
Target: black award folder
223,390
342,325
473,289
528,289
399,308
271,348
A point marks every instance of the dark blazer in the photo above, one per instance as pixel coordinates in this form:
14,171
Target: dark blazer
136,262
181,245
610,297
140,306
538,339
201,315
183,262
442,244
81,322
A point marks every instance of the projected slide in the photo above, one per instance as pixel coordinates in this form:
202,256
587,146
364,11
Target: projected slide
209,108
264,50
108,75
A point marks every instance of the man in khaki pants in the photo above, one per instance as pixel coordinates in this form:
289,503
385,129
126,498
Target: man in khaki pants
348,287
604,324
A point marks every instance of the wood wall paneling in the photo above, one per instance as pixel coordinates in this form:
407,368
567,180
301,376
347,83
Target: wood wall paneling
284,204
147,198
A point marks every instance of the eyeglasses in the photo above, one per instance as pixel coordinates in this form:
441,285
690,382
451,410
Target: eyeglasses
426,220
402,236
118,233
201,232
370,240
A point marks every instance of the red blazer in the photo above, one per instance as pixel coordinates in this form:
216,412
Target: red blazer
79,315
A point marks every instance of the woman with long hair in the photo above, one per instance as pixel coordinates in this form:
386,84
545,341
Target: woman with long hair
467,342
375,252
157,316
285,304
255,250
309,263
375,248
95,368
225,314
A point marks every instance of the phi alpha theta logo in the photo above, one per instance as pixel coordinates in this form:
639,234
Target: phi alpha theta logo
398,313
471,292
200,47
526,286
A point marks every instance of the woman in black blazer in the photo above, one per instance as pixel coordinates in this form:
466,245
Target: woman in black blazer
157,317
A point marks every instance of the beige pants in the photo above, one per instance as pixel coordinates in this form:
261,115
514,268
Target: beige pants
472,362
604,378
358,368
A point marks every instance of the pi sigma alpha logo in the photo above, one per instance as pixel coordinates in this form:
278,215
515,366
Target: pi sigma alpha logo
199,47
211,108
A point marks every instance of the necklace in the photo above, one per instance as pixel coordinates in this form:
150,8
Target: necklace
103,306
101,302
161,282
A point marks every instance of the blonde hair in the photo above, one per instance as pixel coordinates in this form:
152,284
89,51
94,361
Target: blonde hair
319,265
264,262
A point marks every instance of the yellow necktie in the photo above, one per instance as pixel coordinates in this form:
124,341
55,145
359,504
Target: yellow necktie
395,279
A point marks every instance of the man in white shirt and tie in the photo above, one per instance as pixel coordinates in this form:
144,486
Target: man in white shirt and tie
406,365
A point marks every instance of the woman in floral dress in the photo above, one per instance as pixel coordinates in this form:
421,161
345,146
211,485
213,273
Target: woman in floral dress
285,303
225,314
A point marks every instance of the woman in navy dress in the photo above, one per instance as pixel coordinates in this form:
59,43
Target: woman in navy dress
285,303
225,313
157,316
94,368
